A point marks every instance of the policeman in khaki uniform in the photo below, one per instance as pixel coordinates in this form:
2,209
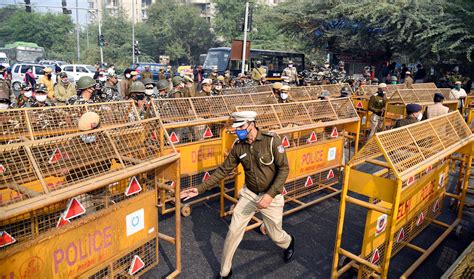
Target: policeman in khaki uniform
284,96
258,72
266,169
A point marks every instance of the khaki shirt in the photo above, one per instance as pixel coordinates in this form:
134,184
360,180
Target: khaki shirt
146,74
409,82
62,94
259,177
406,121
377,103
258,73
202,94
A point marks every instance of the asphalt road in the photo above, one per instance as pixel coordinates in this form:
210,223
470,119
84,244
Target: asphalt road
203,235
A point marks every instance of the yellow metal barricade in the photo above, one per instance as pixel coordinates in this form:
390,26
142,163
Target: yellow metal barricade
395,107
37,123
425,85
403,173
84,204
314,134
195,128
247,89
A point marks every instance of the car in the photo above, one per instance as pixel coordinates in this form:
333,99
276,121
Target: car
154,68
4,60
52,62
79,70
19,70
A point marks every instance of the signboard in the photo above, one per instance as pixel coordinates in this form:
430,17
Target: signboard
417,202
200,156
309,159
72,252
236,50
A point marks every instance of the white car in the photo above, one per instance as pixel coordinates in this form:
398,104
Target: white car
19,70
78,70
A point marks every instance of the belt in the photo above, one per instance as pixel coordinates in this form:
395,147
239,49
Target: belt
257,192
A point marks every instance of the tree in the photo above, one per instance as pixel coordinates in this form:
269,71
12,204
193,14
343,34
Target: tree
432,30
53,31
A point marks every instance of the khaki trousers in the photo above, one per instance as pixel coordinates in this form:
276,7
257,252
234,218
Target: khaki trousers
243,212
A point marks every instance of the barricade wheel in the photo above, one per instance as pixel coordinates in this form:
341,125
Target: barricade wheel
186,210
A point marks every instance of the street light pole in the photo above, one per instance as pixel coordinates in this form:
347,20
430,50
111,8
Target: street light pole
133,31
244,48
101,47
77,33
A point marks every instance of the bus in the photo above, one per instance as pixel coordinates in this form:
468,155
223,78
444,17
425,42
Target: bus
273,60
23,52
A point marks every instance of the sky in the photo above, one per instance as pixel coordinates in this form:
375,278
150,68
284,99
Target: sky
70,4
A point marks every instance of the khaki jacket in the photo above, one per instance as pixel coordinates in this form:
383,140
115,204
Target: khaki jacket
436,110
62,94
264,162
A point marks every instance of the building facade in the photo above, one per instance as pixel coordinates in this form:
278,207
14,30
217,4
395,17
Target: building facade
133,9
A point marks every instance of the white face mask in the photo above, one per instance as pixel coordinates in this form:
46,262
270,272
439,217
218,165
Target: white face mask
218,87
283,96
149,92
28,94
420,116
102,78
3,106
291,66
128,75
41,98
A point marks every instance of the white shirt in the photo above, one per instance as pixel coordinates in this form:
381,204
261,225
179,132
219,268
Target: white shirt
455,94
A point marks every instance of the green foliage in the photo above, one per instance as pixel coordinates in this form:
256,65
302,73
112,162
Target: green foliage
52,31
430,30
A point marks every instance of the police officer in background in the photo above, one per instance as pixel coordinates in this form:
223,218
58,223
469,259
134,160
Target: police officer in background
41,97
150,88
284,97
109,92
437,108
178,86
25,97
266,169
290,74
414,115
85,92
377,107
163,87
206,88
258,72
64,89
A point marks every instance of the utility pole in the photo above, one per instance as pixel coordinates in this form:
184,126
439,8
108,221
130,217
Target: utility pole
133,31
244,48
100,34
78,29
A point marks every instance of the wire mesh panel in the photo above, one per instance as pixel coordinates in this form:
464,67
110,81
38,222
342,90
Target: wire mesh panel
334,89
407,96
286,115
37,123
299,94
262,98
210,107
36,168
174,110
421,141
424,85
232,91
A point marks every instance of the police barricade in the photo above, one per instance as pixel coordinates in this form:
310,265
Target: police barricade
195,128
361,99
395,107
424,85
314,134
469,105
400,177
84,204
247,89
37,123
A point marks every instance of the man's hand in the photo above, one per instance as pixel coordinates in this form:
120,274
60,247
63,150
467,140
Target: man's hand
188,193
264,202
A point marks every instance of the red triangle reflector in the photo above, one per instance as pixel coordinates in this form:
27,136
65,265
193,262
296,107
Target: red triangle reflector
359,105
133,187
472,103
207,133
400,236
334,133
420,219
330,174
74,209
62,221
56,156
153,136
6,239
285,142
428,169
206,177
174,138
375,256
284,192
410,181
2,169
312,138
309,182
137,265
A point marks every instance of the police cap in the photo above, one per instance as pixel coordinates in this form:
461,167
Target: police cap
242,117
412,108
88,121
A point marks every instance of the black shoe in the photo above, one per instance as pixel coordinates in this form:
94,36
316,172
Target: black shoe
224,277
290,251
